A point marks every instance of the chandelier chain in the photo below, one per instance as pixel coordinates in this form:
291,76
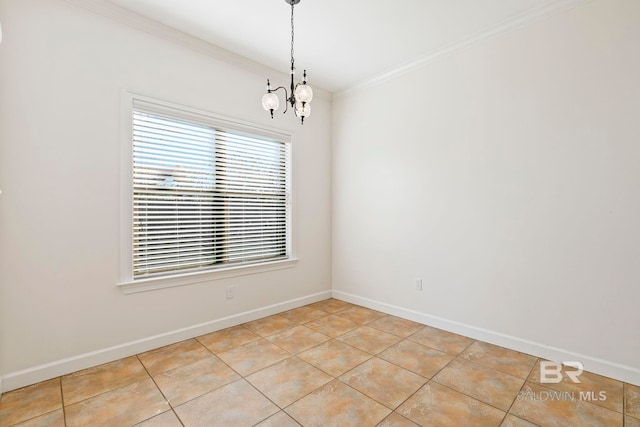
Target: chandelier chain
292,34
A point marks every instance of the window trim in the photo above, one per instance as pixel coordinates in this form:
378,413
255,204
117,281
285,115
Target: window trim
126,281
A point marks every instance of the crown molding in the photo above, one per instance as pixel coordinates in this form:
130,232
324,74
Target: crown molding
141,23
512,23
149,26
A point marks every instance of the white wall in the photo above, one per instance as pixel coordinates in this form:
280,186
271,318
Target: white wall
506,177
62,70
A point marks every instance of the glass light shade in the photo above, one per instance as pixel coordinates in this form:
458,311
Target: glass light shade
303,111
304,93
270,101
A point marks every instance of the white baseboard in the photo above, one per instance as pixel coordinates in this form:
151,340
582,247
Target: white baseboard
606,368
57,368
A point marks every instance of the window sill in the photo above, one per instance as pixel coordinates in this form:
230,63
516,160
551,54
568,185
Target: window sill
153,283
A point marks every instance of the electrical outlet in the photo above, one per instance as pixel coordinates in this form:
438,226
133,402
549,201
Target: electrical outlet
418,284
230,292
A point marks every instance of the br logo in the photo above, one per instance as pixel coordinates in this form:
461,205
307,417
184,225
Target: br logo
552,372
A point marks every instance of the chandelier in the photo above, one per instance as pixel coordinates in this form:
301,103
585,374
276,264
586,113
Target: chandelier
301,93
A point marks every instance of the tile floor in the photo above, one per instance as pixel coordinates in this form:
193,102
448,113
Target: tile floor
326,364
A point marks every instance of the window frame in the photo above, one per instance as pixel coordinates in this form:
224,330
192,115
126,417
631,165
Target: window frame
127,283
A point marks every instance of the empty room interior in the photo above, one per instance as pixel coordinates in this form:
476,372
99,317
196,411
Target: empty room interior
319,213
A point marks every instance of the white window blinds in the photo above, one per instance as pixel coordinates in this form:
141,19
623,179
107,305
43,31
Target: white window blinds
205,197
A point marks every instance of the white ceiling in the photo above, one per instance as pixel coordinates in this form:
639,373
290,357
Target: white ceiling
340,43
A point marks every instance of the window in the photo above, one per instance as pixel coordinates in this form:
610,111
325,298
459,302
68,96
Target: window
206,193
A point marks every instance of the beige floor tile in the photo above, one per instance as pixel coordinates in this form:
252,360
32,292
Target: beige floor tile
304,314
30,402
333,326
368,339
94,381
269,325
360,315
227,339
337,405
396,326
298,338
51,419
174,355
281,419
330,339
589,384
166,419
487,385
331,305
417,358
513,421
235,404
508,361
441,340
195,379
288,380
395,420
547,407
632,400
334,357
251,357
383,382
124,406
437,405
631,422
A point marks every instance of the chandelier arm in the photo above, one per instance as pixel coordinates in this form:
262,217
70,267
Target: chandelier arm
286,95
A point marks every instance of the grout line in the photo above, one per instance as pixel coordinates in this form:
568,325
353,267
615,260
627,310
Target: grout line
520,391
409,397
333,378
171,407
391,333
624,403
266,397
470,397
398,414
438,371
64,412
473,362
486,367
432,379
109,389
157,386
175,414
372,398
187,364
290,355
513,403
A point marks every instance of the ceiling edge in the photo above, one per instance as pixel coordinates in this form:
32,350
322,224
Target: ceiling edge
154,28
512,23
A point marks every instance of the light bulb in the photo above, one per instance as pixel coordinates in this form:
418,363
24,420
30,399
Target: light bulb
270,101
304,93
303,110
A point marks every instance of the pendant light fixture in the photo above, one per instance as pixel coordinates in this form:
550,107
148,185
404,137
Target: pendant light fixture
301,93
